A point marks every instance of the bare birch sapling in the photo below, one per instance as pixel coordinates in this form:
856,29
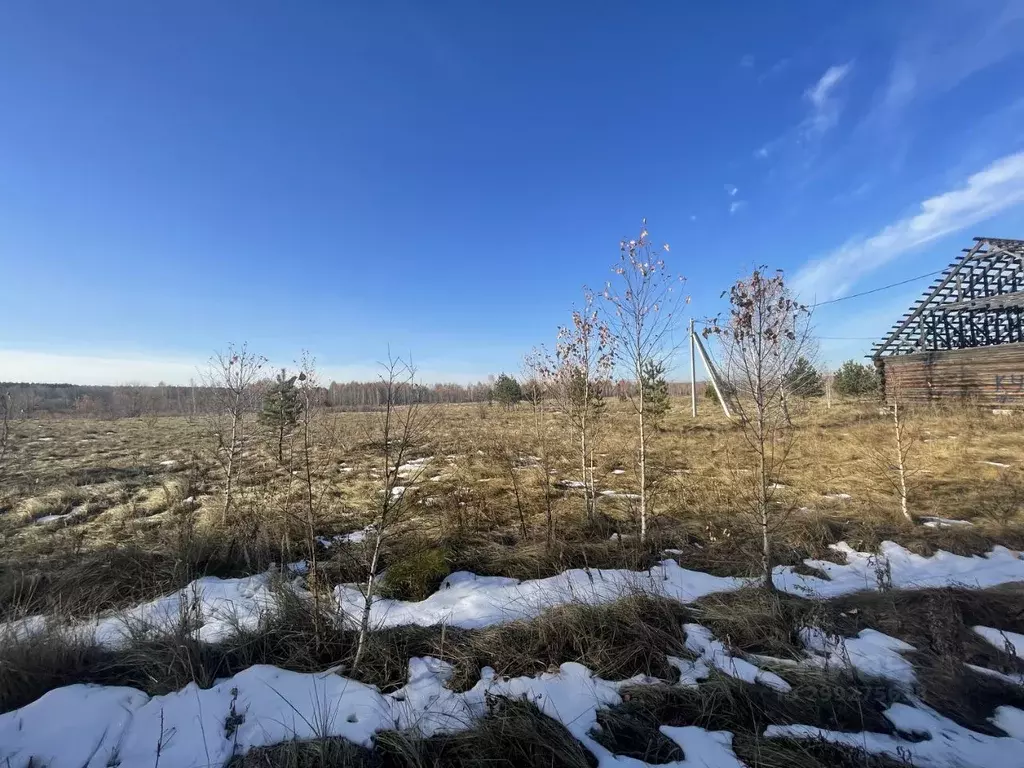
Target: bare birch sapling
400,428
644,302
232,377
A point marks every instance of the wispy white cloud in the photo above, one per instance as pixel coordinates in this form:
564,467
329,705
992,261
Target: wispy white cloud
736,206
731,190
938,55
991,190
762,152
747,62
825,105
774,70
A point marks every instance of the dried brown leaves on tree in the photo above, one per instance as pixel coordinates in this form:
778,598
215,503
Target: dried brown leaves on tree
762,338
582,363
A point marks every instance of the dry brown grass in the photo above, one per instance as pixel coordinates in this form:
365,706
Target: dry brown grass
133,525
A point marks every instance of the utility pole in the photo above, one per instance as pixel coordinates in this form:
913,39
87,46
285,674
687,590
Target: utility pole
693,376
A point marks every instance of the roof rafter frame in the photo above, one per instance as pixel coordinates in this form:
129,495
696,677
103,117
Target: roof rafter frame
976,302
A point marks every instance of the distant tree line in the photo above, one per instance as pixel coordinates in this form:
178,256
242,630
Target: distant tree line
34,400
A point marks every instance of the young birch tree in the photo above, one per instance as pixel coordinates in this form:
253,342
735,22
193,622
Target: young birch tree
765,334
401,426
232,378
894,461
535,390
644,303
583,361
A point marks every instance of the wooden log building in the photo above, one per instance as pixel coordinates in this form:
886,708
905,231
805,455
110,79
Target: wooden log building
963,340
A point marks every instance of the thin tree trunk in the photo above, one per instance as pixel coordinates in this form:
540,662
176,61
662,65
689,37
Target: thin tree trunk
643,454
231,464
762,500
583,465
519,502
364,623
900,460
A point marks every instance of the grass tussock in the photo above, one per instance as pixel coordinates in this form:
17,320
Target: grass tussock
52,659
513,734
724,703
627,638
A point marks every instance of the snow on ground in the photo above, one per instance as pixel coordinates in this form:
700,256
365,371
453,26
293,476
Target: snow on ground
713,652
620,495
943,522
947,744
51,518
85,726
1014,678
355,537
1004,640
213,607
871,653
469,601
265,705
415,465
900,568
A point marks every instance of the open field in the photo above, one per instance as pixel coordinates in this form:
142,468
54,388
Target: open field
98,517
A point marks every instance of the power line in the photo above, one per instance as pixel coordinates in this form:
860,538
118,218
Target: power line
876,290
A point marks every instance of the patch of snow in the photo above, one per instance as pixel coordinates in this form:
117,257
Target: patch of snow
355,537
397,491
1009,719
436,478
1004,640
944,522
570,484
51,518
947,744
842,496
701,641
672,551
620,495
214,607
83,725
1011,679
415,465
905,569
995,464
871,653
701,748
618,471
468,601
168,463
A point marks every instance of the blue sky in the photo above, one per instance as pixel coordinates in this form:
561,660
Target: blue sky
445,177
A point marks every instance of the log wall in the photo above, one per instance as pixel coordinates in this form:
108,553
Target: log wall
988,376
